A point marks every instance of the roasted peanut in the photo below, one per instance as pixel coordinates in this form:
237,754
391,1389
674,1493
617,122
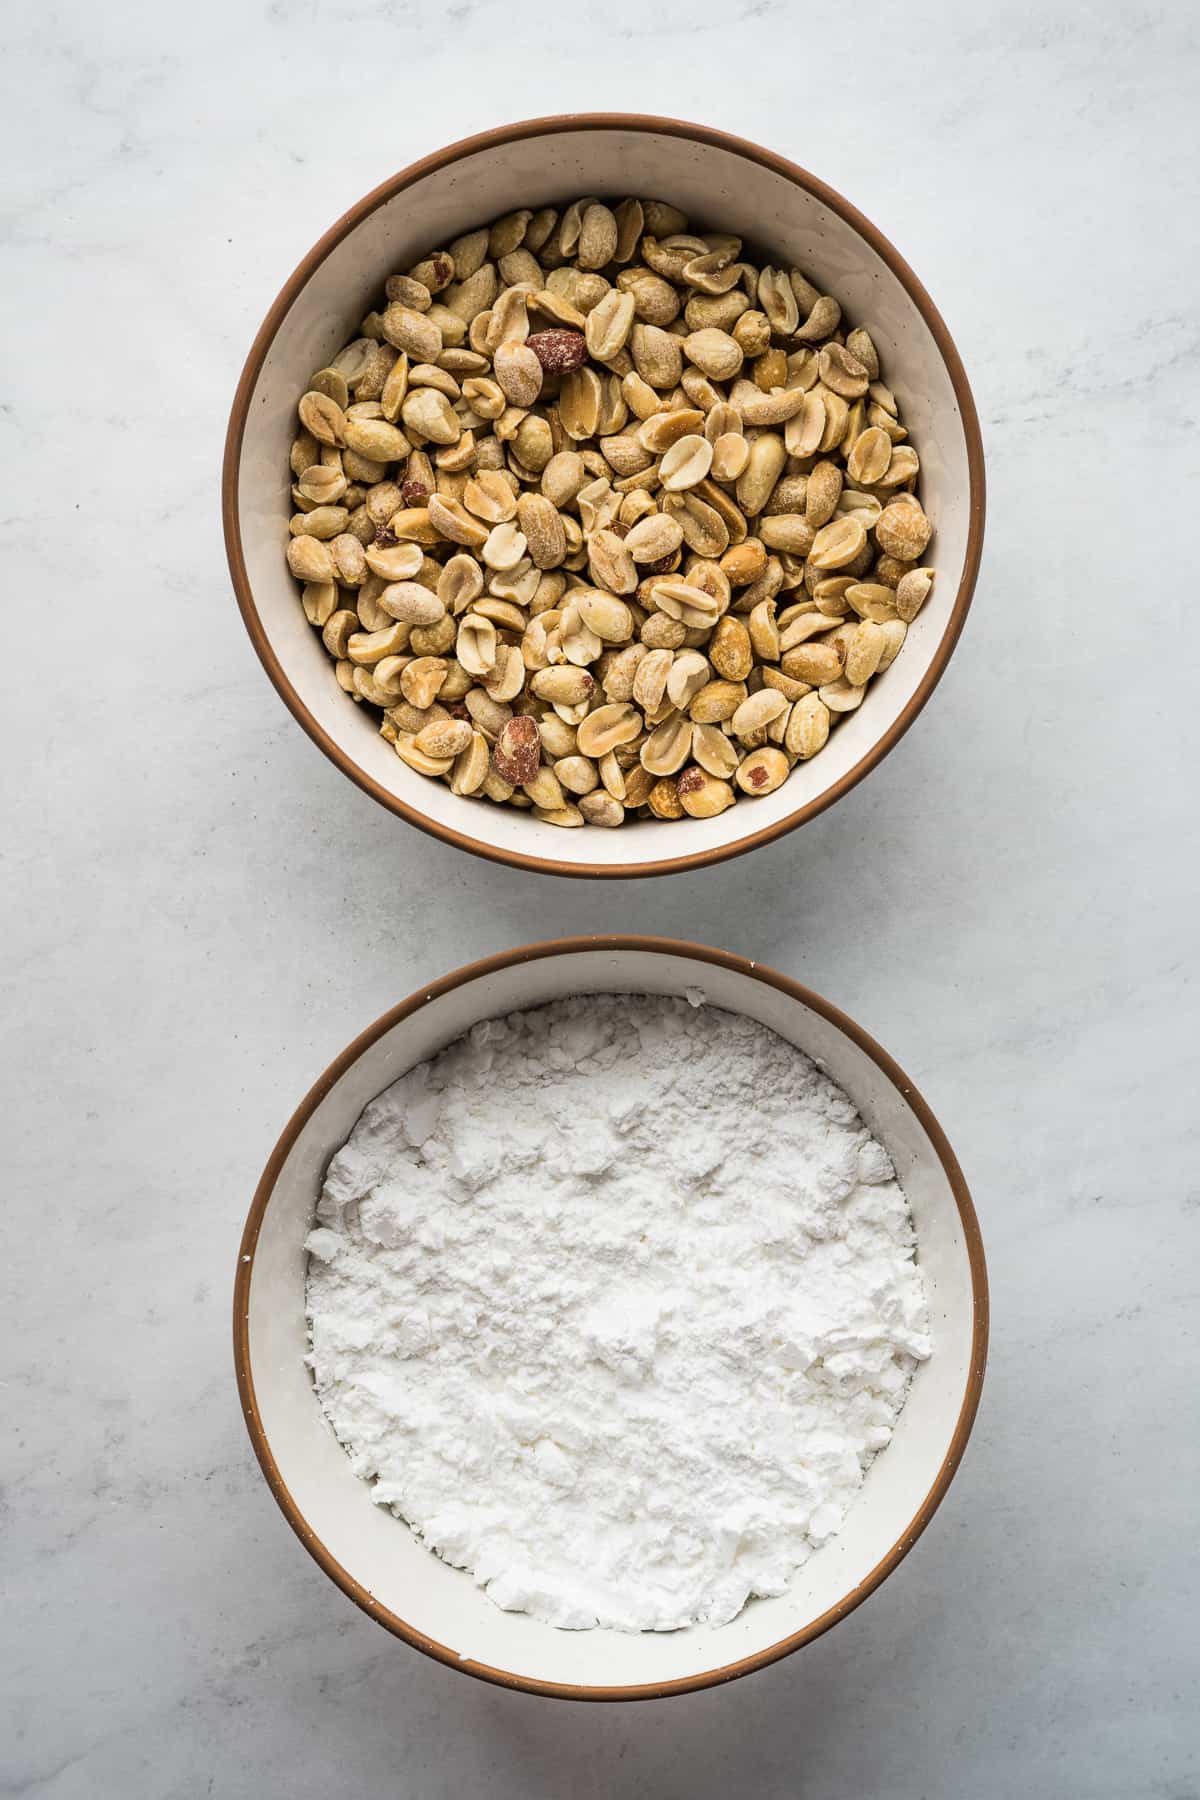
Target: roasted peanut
762,771
701,795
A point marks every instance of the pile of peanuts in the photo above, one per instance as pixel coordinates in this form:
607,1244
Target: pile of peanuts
605,519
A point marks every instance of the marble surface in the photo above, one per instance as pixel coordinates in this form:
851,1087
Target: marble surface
199,911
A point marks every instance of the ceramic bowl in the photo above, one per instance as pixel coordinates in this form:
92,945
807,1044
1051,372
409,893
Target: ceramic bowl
727,184
378,1561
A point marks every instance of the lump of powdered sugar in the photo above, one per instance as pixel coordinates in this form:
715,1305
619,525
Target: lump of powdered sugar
614,1302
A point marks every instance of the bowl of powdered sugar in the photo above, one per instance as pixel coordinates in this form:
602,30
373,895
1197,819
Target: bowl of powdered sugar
611,1318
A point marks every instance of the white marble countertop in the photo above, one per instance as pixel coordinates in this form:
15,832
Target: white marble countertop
201,911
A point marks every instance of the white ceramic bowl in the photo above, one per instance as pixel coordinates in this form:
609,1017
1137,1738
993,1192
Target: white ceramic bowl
727,184
378,1561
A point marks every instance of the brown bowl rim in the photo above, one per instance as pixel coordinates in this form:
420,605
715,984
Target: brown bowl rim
607,943
493,139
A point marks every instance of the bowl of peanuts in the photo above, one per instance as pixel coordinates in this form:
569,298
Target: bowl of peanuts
604,495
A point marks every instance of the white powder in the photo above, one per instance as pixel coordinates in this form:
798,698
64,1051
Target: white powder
614,1301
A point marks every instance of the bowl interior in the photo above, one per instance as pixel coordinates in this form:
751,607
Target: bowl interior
378,1553
719,187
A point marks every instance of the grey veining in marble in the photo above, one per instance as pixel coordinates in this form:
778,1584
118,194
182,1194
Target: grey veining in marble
199,911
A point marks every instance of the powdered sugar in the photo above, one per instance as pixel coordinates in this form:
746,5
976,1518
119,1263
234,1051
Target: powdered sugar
614,1301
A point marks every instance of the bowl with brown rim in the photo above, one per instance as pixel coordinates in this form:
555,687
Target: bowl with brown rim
725,184
378,1562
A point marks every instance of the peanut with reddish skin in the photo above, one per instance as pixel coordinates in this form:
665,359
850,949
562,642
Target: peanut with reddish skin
558,351
517,751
